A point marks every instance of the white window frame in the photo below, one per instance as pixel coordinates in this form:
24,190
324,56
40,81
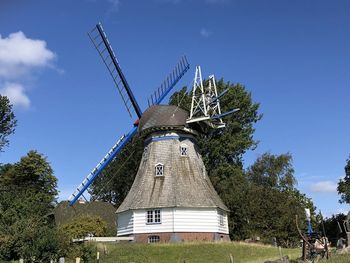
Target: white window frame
183,150
159,170
221,218
149,216
153,216
153,239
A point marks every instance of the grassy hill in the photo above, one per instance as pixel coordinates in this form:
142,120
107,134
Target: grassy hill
192,253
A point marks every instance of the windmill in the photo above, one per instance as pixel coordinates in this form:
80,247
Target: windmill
171,198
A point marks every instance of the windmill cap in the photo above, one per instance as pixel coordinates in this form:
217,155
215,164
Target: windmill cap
162,117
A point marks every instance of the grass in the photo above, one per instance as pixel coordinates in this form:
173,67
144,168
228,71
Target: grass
193,253
339,259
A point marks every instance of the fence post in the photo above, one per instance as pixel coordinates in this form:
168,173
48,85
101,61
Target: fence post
231,259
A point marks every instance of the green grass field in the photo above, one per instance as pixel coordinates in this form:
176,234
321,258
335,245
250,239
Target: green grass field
193,253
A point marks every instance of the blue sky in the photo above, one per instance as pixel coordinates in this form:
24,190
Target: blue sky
292,55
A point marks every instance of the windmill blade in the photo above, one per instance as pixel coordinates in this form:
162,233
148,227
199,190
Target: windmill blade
180,69
219,96
225,114
99,38
113,152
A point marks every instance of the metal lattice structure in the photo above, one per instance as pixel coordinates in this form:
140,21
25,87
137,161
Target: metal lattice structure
205,105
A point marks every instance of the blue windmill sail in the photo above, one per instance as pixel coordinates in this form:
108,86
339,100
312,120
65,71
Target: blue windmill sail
130,102
105,50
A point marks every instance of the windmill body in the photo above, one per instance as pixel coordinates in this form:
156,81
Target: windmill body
172,198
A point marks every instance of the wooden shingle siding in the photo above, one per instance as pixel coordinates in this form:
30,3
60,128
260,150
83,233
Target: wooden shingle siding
184,184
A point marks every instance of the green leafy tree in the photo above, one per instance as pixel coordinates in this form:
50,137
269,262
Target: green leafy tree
7,121
27,195
273,171
80,227
334,228
86,225
344,185
273,200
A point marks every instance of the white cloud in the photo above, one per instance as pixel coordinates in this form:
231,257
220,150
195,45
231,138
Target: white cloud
324,187
205,33
19,54
16,94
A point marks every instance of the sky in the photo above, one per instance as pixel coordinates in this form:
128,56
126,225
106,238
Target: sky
293,56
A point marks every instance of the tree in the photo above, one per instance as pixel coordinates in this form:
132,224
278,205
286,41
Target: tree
273,171
273,200
334,227
33,176
27,195
80,227
344,185
84,226
7,121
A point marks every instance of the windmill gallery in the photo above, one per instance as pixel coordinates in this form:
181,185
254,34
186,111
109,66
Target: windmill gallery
172,198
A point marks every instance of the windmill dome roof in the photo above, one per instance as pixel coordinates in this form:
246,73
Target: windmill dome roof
163,117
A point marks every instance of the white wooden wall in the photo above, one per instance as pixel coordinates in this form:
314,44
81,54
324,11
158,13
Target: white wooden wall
125,223
173,220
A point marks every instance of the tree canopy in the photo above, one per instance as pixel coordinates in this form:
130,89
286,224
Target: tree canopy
7,121
274,200
273,171
85,225
27,195
344,184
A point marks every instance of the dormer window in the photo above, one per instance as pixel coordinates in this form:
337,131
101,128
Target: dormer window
159,169
183,150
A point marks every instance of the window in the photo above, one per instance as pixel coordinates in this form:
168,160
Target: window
183,150
159,170
221,218
153,239
145,153
153,216
157,216
150,217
